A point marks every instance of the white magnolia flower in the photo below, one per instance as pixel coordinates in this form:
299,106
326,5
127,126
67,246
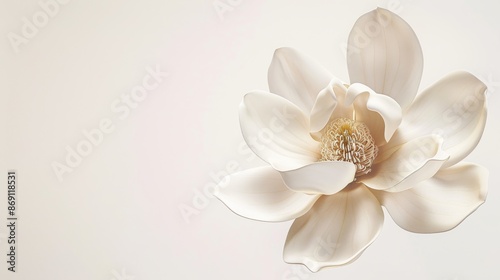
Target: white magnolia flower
338,151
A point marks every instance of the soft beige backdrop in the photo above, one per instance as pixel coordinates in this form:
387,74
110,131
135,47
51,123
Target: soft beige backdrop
117,214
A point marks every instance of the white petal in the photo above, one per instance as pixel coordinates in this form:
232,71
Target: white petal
412,163
330,105
277,131
324,177
455,108
260,194
297,77
383,53
440,203
379,112
336,230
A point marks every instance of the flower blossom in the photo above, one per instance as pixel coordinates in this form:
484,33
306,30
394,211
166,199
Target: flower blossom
337,152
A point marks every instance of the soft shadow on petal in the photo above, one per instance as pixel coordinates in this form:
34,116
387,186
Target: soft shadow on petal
379,112
455,108
260,194
324,177
297,77
412,163
336,230
440,203
384,53
330,105
277,131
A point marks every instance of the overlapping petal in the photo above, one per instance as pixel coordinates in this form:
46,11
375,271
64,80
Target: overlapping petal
336,230
455,108
379,112
277,131
384,53
324,177
412,163
415,175
297,77
440,203
260,194
330,104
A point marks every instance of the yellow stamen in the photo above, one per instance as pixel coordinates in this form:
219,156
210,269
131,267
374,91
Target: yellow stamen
347,140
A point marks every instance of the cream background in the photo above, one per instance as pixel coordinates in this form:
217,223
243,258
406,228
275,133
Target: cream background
118,212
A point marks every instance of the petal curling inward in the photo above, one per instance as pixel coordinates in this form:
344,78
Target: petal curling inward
384,53
329,105
297,77
277,131
379,112
440,203
455,108
260,194
323,177
412,163
336,230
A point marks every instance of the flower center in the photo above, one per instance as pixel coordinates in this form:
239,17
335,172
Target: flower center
347,140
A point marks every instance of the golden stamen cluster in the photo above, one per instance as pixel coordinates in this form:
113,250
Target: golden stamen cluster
347,140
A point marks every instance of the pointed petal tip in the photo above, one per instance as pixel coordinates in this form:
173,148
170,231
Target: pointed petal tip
336,231
316,266
311,265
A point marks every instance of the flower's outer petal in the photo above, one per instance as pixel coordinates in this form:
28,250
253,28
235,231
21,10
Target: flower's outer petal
384,53
379,112
455,108
336,230
440,203
323,177
412,163
330,105
277,131
297,77
260,194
